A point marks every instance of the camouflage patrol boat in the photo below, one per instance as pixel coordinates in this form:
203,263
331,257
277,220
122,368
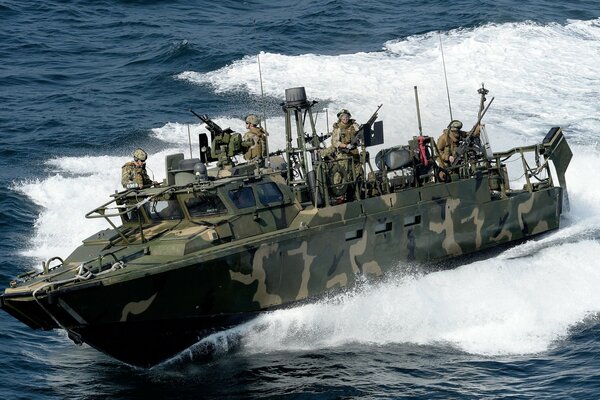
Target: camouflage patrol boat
213,247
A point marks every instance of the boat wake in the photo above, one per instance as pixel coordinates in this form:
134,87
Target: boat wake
495,307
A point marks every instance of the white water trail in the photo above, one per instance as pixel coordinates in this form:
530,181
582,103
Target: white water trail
492,307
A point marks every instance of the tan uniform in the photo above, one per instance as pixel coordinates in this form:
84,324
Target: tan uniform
344,133
254,141
131,173
447,144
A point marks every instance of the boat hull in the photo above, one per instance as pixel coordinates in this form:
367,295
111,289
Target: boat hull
148,312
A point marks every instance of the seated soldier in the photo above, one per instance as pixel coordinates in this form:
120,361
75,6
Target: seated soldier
448,142
133,173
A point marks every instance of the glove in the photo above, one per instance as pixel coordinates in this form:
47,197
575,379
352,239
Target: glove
350,147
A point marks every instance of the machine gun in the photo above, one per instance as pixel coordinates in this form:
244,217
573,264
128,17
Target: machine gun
359,138
225,143
214,129
471,142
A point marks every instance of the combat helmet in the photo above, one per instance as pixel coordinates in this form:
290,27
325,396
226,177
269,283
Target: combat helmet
252,119
344,111
455,125
140,155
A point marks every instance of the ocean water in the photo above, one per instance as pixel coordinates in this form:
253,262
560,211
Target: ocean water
84,83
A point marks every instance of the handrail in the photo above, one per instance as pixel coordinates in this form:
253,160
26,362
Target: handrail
46,265
101,210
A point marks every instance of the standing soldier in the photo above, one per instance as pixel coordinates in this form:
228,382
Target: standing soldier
254,139
344,132
133,173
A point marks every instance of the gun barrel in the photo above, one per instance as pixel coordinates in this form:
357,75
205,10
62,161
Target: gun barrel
199,116
481,117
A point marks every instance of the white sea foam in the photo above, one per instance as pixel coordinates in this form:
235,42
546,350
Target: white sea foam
518,302
541,76
491,307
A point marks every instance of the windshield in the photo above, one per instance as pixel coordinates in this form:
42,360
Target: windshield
206,204
165,209
269,193
242,197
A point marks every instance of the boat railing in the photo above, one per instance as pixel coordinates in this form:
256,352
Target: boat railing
106,210
530,172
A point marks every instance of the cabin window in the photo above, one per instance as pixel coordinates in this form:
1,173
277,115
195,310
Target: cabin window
133,215
165,209
357,234
412,220
242,197
383,227
204,205
269,193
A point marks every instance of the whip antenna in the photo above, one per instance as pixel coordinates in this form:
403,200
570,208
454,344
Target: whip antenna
418,112
262,91
422,151
445,77
262,95
190,140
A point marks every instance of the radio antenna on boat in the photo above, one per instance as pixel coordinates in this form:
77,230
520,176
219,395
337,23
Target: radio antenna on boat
445,77
190,140
418,112
422,151
262,96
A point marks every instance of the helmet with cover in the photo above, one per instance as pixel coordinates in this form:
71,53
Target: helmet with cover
455,125
252,119
342,112
140,155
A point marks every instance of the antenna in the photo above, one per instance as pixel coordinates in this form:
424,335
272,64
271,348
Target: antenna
262,91
445,77
418,112
422,151
190,140
327,121
262,95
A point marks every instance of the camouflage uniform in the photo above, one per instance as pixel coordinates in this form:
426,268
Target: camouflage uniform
254,142
130,172
344,133
448,143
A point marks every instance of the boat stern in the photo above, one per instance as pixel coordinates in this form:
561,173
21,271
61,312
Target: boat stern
557,150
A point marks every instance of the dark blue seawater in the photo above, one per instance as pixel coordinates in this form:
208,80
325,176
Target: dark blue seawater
83,83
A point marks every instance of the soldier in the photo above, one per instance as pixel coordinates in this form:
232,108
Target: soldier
342,148
254,139
133,173
344,131
448,142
